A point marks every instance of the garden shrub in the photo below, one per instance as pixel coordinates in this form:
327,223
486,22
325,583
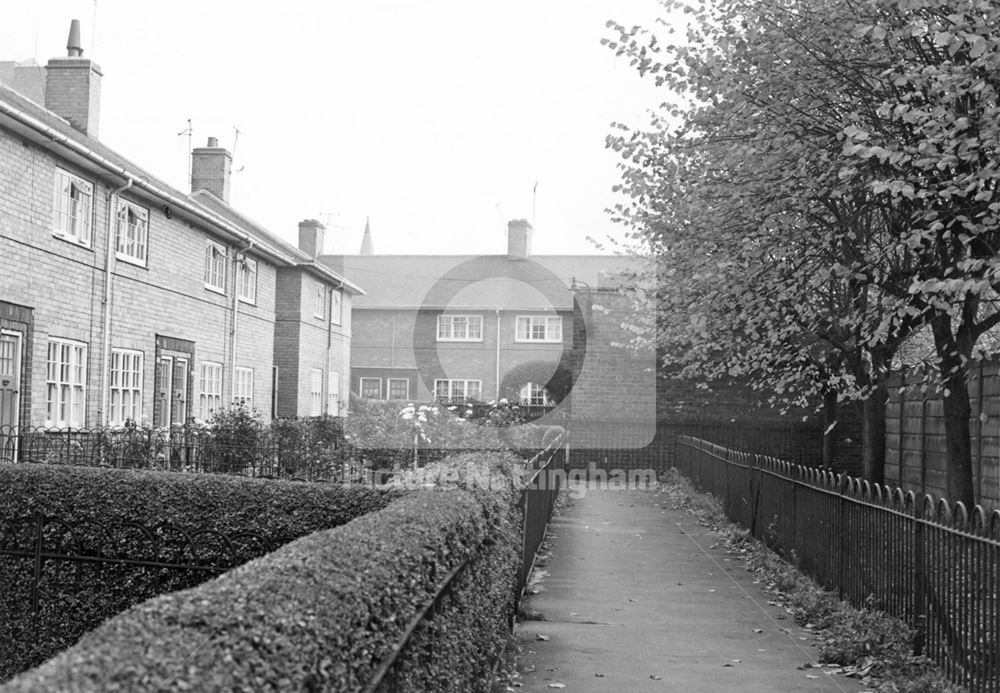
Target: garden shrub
321,612
75,597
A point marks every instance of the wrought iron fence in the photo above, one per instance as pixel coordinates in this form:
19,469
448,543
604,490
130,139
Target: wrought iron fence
275,451
63,578
929,562
536,505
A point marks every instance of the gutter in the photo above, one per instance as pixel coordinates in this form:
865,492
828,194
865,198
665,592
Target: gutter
121,171
108,301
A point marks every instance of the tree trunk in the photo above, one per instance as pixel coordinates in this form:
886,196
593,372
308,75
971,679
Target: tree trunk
873,434
831,432
957,410
958,439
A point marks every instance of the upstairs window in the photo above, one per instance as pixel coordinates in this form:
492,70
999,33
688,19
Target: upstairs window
247,284
73,203
215,267
336,306
460,328
539,328
133,233
319,301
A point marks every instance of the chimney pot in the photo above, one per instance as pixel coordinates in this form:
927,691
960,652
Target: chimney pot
213,142
73,47
73,86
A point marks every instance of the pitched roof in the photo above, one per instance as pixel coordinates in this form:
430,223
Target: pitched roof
482,282
292,255
50,131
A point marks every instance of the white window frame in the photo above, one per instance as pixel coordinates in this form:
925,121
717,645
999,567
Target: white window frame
361,387
319,301
132,233
210,389
243,386
333,393
246,284
315,392
534,395
388,388
457,390
526,324
447,328
66,383
72,207
336,307
125,388
216,256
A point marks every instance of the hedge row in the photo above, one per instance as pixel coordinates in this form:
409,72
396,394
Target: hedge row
322,612
75,597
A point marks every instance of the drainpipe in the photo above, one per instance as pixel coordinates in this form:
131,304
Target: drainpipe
236,312
107,302
497,397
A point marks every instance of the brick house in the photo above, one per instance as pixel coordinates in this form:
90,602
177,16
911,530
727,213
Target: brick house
462,328
123,298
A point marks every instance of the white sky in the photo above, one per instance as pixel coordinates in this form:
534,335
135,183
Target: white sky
422,114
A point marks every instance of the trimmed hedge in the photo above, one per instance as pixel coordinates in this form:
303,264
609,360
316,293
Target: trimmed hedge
322,612
76,597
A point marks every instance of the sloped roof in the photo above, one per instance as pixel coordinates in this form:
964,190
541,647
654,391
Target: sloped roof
292,255
52,132
456,282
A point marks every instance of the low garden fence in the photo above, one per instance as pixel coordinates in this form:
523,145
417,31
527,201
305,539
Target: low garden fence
166,552
274,451
929,562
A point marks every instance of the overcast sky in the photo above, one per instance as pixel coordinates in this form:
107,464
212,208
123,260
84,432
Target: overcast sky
433,117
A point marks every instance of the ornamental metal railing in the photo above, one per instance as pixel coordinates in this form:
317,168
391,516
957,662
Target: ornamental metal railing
272,452
934,564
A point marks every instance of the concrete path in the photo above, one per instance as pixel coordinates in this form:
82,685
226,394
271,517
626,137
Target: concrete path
639,597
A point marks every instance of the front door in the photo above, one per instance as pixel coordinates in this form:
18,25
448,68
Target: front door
172,389
10,382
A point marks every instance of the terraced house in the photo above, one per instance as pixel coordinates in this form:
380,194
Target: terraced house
122,298
464,328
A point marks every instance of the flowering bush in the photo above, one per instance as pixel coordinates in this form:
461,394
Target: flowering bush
390,435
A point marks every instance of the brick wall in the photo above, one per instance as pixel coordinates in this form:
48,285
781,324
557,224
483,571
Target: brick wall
304,341
63,283
404,339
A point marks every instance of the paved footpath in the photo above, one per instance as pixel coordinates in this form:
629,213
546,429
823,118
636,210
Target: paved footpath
640,597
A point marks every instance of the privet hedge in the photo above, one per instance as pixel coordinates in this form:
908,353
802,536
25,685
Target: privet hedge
74,597
322,612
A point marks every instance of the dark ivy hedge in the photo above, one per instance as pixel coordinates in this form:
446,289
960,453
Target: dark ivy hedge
321,613
75,597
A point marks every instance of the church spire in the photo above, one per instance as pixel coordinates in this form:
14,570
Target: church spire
366,241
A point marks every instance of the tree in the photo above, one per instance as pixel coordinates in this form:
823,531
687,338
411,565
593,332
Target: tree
832,187
764,249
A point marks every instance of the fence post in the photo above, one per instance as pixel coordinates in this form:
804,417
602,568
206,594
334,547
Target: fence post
919,593
842,538
37,572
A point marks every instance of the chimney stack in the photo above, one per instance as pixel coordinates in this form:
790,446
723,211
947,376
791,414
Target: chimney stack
312,234
211,166
73,86
518,239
